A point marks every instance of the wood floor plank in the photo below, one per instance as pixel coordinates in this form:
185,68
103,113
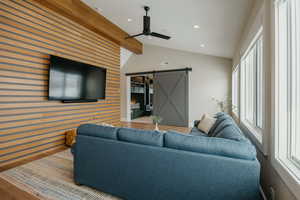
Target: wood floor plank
8,191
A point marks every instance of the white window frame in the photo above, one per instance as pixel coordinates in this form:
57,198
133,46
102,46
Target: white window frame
252,128
283,125
236,91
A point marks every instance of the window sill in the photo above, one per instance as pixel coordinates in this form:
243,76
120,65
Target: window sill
235,114
283,168
254,133
235,117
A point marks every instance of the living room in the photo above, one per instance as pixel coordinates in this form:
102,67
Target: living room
130,99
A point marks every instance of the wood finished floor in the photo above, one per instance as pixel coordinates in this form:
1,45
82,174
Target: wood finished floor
10,192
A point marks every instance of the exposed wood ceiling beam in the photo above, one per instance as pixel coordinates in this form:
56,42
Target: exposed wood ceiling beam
89,18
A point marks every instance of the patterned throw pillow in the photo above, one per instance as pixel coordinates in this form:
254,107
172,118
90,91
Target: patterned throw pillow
206,123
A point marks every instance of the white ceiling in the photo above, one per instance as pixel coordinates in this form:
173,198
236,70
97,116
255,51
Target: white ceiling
221,22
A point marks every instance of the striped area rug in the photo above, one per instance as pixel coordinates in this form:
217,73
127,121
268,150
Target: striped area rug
51,178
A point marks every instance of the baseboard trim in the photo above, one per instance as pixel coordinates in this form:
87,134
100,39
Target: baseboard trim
262,193
37,156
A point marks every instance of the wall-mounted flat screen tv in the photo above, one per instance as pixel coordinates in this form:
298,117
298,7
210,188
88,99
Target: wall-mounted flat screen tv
71,81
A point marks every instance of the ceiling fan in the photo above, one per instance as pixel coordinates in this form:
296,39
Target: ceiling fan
147,30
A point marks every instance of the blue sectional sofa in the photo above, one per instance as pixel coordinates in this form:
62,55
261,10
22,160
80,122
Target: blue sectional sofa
149,165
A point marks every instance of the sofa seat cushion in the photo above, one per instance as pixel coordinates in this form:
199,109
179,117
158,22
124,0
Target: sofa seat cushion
98,131
146,137
210,145
196,132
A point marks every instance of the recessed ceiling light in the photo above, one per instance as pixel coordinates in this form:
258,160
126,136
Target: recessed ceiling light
164,63
99,9
202,45
196,26
129,20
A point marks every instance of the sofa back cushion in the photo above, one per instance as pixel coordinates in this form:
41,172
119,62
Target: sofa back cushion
152,138
231,132
221,114
225,127
196,132
210,145
98,131
221,121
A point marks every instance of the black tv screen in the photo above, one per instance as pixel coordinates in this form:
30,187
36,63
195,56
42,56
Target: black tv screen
70,80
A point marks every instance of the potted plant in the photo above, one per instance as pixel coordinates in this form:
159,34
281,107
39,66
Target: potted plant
156,120
224,105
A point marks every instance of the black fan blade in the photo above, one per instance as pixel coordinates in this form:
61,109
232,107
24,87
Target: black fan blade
132,36
160,36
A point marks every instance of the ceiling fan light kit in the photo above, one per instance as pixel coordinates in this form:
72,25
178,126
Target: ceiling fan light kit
147,30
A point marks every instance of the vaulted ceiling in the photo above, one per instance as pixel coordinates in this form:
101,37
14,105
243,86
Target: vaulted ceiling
220,22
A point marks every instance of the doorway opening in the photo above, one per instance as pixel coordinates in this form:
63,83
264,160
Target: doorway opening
141,98
164,94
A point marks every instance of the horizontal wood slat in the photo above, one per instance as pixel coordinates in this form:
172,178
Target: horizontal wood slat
24,52
14,61
46,131
79,120
56,109
29,158
29,151
10,106
49,119
30,124
14,118
22,80
22,87
18,145
26,58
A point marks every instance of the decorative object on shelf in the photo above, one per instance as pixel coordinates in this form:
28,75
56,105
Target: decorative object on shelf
156,120
224,105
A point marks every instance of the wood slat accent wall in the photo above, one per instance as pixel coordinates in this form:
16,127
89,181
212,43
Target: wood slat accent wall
29,123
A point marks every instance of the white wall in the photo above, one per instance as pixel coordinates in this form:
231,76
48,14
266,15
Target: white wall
210,77
263,14
255,21
124,56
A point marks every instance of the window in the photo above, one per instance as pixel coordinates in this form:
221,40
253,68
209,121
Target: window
235,90
287,93
252,87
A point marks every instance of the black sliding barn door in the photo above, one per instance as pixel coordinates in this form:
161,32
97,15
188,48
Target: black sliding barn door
171,96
